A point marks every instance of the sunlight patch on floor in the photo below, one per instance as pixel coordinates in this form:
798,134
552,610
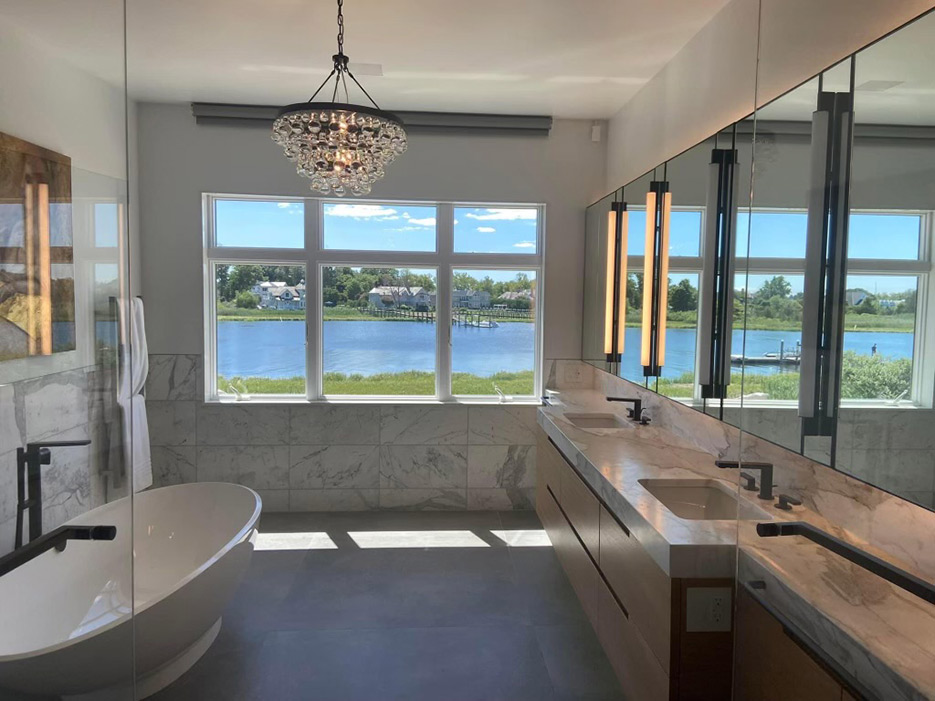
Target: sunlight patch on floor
294,541
416,539
532,538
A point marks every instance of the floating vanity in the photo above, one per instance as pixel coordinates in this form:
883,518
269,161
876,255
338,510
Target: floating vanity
646,528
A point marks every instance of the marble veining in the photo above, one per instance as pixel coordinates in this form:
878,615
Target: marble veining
334,467
501,466
334,425
423,499
225,424
257,467
502,425
173,376
423,425
174,464
417,467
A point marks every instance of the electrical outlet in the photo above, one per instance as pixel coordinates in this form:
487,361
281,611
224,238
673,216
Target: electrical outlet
708,609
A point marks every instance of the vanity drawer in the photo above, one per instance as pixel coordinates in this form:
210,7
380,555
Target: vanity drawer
582,509
640,674
579,568
642,587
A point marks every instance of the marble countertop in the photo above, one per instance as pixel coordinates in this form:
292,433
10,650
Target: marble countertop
612,461
882,636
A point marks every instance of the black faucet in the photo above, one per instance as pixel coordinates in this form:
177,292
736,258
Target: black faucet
29,484
636,413
766,474
57,539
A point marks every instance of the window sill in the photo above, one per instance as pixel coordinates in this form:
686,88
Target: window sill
427,401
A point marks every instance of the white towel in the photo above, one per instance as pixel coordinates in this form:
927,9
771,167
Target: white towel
134,367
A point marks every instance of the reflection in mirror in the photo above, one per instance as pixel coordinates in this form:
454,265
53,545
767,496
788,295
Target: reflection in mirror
887,372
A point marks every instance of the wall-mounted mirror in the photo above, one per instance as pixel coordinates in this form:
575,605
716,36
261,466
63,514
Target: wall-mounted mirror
814,333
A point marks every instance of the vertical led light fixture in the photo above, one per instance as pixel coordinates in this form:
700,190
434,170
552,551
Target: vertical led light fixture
615,292
655,278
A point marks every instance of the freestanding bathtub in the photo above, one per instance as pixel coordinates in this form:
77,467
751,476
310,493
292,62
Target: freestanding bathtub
65,618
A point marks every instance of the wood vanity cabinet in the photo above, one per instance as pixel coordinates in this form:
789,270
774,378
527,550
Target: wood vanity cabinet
771,666
636,609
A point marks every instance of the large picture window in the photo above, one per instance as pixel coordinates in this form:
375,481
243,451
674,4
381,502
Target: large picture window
316,299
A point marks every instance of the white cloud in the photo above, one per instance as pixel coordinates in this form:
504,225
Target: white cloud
284,205
504,214
486,229
525,244
428,221
361,211
456,222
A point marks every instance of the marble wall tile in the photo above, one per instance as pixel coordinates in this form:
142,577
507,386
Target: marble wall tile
312,424
502,425
171,423
7,485
501,466
511,499
423,424
423,499
895,470
11,434
66,482
257,467
52,404
417,467
174,465
274,500
173,376
334,466
334,499
568,374
7,536
239,424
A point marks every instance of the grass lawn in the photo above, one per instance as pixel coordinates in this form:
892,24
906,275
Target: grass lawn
393,384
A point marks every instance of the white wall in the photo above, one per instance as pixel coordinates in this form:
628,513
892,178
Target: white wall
711,82
180,160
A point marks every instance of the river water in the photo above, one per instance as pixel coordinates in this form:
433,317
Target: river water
277,348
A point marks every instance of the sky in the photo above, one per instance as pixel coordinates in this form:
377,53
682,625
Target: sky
376,227
399,227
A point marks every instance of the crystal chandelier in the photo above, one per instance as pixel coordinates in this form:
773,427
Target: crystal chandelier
340,147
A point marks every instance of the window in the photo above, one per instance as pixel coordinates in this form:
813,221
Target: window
887,269
259,223
378,227
493,333
260,329
378,331
496,230
311,299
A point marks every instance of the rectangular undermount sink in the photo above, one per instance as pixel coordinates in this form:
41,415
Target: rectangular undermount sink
701,500
596,420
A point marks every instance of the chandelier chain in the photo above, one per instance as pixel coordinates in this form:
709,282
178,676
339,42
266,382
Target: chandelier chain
340,27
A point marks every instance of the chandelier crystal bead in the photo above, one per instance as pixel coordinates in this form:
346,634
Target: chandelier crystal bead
342,148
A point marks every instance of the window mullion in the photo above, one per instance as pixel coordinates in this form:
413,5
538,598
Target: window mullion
445,243
314,329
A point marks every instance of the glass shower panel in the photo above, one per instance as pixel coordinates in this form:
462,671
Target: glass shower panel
66,483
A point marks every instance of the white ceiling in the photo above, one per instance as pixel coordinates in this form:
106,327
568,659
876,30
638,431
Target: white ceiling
894,82
553,57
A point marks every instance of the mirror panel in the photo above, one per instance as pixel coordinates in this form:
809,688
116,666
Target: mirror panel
850,386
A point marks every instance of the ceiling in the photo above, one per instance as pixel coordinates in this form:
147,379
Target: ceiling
551,57
893,78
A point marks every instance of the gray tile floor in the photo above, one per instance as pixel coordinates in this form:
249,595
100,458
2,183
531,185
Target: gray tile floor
478,624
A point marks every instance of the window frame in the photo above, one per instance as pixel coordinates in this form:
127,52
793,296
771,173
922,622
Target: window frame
314,256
